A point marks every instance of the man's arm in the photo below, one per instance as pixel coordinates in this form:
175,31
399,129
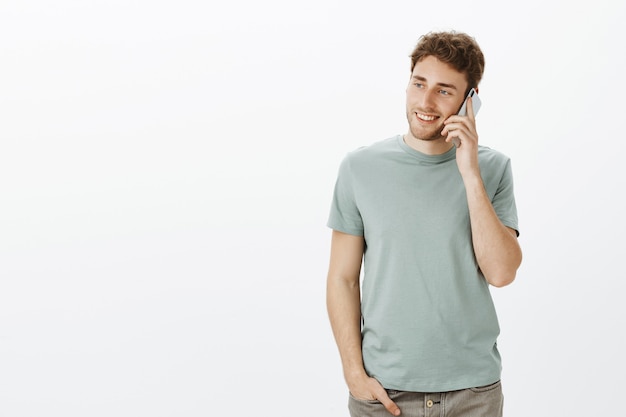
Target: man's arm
343,299
496,247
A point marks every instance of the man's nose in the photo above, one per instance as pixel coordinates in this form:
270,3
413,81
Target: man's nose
428,100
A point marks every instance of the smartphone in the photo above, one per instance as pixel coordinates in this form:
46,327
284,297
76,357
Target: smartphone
463,111
475,103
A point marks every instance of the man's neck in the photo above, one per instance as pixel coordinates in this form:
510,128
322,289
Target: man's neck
428,147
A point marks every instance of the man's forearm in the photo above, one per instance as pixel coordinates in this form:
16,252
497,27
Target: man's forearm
496,247
344,310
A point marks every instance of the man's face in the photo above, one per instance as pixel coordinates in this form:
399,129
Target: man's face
435,92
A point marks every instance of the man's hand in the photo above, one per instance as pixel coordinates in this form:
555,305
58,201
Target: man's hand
463,128
370,389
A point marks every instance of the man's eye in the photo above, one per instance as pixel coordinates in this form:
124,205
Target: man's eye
418,85
444,92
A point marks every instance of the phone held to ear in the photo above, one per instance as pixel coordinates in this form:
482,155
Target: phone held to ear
475,103
475,106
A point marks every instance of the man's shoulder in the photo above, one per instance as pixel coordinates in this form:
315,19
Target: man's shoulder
493,162
485,153
374,149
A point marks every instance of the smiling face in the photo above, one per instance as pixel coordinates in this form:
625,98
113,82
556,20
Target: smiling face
435,92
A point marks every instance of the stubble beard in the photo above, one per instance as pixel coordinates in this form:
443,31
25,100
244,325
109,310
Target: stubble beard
420,133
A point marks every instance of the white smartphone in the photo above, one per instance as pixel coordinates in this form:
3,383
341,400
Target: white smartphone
463,111
475,103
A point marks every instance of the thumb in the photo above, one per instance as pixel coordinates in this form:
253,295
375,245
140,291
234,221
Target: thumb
389,404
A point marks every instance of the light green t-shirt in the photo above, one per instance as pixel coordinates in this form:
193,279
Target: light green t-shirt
429,323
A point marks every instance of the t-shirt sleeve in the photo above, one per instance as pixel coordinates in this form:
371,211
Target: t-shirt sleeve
504,199
344,212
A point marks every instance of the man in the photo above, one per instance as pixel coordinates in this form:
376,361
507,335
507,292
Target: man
435,224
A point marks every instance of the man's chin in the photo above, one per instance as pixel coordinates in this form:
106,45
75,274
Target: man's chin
421,132
427,136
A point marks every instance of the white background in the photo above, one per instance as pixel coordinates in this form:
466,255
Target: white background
166,170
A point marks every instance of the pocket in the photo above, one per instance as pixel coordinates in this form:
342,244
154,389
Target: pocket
486,388
363,401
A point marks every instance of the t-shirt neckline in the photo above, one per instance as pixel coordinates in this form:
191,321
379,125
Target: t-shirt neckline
431,159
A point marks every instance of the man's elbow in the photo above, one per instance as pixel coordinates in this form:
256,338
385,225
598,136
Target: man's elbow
501,277
501,274
501,280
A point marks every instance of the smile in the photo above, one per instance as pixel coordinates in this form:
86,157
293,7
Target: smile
425,117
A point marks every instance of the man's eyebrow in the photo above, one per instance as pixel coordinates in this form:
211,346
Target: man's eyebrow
420,78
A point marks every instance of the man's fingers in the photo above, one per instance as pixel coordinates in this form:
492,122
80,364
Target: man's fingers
453,133
392,408
372,390
389,405
470,109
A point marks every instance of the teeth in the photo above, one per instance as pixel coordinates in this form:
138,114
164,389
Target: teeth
426,118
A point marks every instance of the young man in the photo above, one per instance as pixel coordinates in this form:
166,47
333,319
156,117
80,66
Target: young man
435,225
